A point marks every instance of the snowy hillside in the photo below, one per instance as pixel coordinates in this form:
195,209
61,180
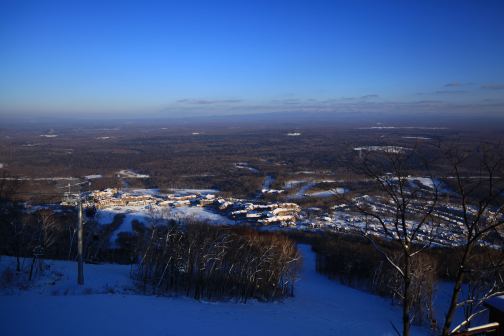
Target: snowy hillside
55,305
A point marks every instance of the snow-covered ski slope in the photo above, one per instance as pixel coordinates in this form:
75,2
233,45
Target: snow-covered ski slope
106,306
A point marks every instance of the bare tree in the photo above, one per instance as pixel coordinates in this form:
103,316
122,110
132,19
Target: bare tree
12,223
158,216
481,206
401,211
19,226
205,261
45,237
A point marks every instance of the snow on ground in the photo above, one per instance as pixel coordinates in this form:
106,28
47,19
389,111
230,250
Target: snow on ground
92,177
302,191
199,213
266,186
131,174
386,149
142,191
430,183
293,183
327,193
294,134
106,216
403,127
272,191
245,165
194,191
424,181
60,278
143,215
38,178
268,180
306,172
48,135
441,302
309,184
320,307
416,138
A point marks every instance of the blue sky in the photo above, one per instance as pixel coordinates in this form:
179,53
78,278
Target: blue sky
127,58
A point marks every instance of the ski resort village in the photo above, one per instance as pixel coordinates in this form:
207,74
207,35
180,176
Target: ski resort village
346,215
282,214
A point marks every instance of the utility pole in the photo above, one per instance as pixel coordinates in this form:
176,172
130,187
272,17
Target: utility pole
80,234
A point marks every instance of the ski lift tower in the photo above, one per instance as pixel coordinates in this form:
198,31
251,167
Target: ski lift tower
75,199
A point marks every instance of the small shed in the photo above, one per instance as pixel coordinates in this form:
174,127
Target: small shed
495,306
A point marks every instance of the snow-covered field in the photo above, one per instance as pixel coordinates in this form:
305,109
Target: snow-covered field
430,183
131,174
402,127
105,305
386,149
143,214
93,177
306,185
38,178
187,191
416,138
245,165
327,193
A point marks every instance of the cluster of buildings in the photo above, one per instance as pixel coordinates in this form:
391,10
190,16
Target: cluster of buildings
115,198
283,214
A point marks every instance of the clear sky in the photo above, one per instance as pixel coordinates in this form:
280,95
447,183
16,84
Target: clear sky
128,58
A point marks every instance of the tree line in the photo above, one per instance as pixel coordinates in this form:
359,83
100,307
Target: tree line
213,263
